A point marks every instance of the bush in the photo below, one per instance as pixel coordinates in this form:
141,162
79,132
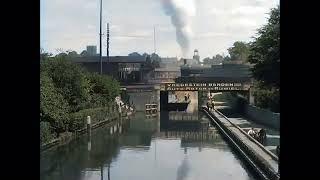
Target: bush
69,93
78,120
70,81
45,133
104,89
53,107
268,98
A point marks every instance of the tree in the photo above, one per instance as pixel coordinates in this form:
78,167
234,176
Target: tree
145,54
265,51
207,61
134,54
84,53
219,58
265,56
44,54
104,89
155,58
70,81
53,107
239,51
72,54
148,62
227,58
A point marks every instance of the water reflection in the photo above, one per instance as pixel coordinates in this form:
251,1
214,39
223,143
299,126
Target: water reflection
140,149
183,169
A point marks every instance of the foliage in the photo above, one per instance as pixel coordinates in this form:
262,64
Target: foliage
125,97
134,54
104,89
53,107
265,51
265,55
44,55
84,53
215,59
227,58
78,119
239,51
45,132
70,81
268,98
68,94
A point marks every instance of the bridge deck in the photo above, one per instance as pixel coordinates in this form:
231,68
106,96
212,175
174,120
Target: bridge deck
253,145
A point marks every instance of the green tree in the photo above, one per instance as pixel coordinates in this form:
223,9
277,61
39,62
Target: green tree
44,55
134,54
265,51
227,58
84,53
219,58
70,81
53,107
104,89
265,56
207,61
72,54
239,51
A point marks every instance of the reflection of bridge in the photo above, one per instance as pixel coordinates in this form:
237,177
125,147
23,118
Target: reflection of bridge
183,116
189,135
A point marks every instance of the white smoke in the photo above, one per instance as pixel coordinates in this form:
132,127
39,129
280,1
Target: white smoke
181,12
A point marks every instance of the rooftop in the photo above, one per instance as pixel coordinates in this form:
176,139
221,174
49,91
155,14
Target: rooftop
112,59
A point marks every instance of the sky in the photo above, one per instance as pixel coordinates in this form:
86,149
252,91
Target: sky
217,24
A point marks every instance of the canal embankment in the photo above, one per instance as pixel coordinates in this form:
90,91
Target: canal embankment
98,116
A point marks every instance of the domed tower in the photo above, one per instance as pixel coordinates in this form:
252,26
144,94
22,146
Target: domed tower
196,56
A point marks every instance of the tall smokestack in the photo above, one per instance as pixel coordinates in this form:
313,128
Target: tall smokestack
181,12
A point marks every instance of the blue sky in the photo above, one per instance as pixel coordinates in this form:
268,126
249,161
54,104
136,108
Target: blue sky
74,24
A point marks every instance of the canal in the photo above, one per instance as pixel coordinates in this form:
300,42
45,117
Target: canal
138,149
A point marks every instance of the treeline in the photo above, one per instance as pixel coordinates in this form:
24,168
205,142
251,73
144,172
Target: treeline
68,93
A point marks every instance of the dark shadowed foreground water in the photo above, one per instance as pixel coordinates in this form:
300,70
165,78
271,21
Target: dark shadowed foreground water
136,149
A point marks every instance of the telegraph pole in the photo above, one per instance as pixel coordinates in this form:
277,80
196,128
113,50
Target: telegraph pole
100,36
108,43
154,39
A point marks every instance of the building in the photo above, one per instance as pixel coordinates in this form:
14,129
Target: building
92,50
164,75
196,56
224,73
126,69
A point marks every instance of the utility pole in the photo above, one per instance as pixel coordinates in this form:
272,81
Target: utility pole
154,39
100,36
108,44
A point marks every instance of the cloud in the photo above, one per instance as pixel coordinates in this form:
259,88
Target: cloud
216,25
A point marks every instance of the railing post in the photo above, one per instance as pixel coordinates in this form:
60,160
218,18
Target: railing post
89,126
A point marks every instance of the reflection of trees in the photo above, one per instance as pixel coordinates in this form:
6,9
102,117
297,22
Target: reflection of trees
67,162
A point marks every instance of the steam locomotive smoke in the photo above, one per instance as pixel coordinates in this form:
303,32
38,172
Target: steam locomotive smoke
181,12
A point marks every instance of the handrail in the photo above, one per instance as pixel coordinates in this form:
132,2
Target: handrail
274,157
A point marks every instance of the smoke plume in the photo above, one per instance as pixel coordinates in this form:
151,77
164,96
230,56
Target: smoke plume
181,12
